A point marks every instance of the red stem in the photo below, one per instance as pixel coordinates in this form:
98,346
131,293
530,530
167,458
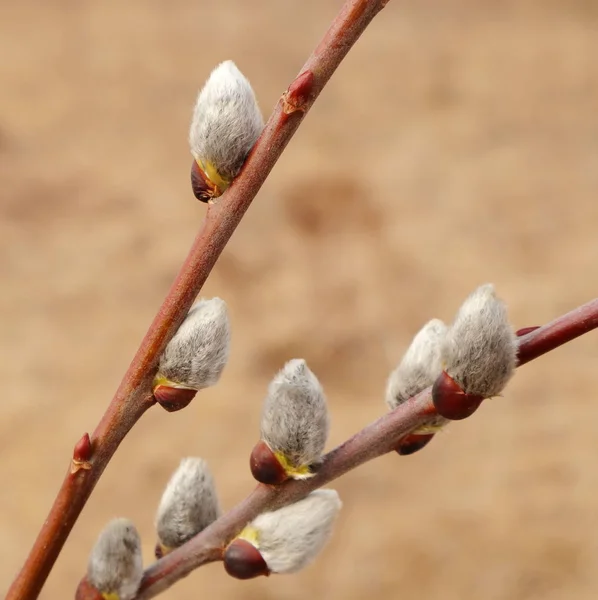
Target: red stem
559,332
133,396
376,439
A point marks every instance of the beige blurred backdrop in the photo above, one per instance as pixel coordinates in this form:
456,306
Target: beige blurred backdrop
456,145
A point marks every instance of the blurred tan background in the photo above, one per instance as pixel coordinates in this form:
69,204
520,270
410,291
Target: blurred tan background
456,145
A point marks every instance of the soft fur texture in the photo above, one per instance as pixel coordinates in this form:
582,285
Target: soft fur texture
226,121
418,369
295,416
115,564
197,354
420,365
188,505
480,349
290,538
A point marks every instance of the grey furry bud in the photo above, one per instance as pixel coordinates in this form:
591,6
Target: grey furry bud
479,350
295,420
115,566
196,356
226,124
419,366
418,370
291,537
188,505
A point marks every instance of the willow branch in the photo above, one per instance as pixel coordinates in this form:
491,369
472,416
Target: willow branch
378,438
133,396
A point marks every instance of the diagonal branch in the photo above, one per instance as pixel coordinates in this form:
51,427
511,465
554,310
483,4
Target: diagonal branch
376,439
133,396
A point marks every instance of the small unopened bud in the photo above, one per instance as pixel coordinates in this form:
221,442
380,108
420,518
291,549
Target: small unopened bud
417,370
294,424
226,124
82,454
479,351
115,566
188,505
295,99
287,539
195,357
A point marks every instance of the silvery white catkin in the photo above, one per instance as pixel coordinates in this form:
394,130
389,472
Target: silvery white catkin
295,418
480,349
420,365
290,538
226,121
418,369
115,564
196,356
188,505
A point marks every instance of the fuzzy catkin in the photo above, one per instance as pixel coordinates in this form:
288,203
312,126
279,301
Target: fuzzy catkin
480,349
420,365
295,418
115,563
226,121
188,505
418,370
290,538
198,352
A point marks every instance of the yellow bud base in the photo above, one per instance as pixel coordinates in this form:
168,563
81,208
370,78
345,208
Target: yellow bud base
212,173
159,379
301,472
249,534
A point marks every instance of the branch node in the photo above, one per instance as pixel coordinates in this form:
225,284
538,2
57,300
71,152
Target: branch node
81,454
297,97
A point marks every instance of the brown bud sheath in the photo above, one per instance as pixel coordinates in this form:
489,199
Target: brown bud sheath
526,330
413,442
81,454
450,401
86,591
265,467
159,551
244,561
173,399
203,189
297,96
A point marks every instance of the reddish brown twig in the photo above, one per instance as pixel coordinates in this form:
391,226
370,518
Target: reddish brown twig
133,396
374,440
558,332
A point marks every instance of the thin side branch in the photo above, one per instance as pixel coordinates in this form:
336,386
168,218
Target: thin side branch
133,396
376,439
